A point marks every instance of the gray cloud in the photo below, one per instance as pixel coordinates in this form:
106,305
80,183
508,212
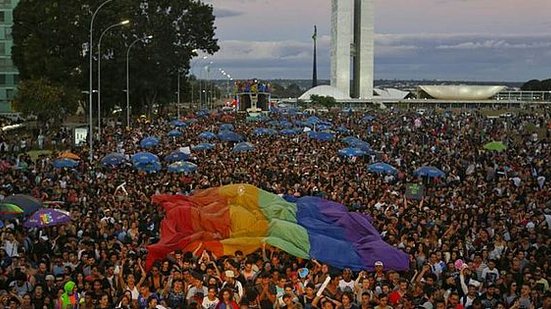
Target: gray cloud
481,57
223,13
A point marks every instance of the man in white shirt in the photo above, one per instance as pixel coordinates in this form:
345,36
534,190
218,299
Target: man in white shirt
490,274
234,285
346,283
210,301
196,290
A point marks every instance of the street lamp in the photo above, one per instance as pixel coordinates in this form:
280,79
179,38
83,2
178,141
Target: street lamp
90,46
122,23
207,69
200,86
128,78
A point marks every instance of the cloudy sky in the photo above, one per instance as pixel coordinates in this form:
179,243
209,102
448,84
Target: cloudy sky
483,40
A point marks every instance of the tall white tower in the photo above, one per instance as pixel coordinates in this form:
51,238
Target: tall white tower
352,47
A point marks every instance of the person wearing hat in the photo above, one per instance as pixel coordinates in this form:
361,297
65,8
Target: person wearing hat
379,271
235,286
70,299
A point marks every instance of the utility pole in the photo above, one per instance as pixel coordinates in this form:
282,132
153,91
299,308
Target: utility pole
315,69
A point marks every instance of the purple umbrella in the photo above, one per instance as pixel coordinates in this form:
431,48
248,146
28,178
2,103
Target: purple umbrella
47,217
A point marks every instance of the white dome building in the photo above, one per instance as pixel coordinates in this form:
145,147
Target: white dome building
325,91
459,92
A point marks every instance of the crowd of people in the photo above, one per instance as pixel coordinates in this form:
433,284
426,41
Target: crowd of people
478,238
253,86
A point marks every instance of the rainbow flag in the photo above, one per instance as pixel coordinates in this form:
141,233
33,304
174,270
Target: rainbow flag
243,217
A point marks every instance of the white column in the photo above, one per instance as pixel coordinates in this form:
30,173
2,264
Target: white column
341,38
366,50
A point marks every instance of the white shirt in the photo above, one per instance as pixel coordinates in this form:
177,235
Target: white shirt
343,285
11,248
209,304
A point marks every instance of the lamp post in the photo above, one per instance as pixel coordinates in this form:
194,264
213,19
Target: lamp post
90,46
122,23
207,69
200,87
128,78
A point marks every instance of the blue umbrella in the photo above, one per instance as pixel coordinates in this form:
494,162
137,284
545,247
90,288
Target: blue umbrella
321,136
243,147
144,158
149,142
352,152
285,124
230,136
263,131
342,129
356,143
382,168
178,123
207,135
226,127
273,123
323,127
363,146
203,147
202,113
176,156
151,167
429,171
349,140
368,118
313,120
288,132
65,163
182,167
174,133
113,159
301,124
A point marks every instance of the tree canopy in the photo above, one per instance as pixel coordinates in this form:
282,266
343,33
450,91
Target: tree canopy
45,99
537,85
50,43
325,101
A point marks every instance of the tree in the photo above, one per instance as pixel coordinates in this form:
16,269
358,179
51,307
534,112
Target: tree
532,85
50,41
327,102
45,99
293,91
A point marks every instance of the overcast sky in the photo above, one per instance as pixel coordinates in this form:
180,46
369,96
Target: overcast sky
484,40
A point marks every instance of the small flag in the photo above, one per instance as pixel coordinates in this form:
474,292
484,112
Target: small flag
315,36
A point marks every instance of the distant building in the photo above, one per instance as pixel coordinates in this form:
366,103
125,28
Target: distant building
459,92
9,76
352,47
325,91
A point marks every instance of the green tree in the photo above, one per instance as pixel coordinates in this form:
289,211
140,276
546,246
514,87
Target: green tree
45,99
293,91
327,102
50,41
532,85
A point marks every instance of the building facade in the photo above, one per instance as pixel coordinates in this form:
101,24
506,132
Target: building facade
352,47
9,77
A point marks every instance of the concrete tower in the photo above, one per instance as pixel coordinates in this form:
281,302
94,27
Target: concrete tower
352,47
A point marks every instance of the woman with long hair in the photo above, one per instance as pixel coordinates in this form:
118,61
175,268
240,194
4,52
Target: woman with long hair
226,300
511,295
